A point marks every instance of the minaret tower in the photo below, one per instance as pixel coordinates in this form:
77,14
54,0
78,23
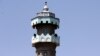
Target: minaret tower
45,40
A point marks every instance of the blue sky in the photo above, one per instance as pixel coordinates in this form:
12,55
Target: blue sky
79,26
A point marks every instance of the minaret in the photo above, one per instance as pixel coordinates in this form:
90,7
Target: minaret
45,40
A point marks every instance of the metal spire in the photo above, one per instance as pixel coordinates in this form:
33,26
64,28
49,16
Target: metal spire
45,3
45,9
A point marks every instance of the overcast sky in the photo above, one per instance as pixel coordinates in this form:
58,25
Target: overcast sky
79,26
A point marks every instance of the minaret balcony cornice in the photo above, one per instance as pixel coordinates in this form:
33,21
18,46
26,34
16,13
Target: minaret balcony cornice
45,20
46,38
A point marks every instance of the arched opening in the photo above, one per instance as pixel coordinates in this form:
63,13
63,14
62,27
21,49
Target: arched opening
46,22
51,22
55,35
41,22
35,35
